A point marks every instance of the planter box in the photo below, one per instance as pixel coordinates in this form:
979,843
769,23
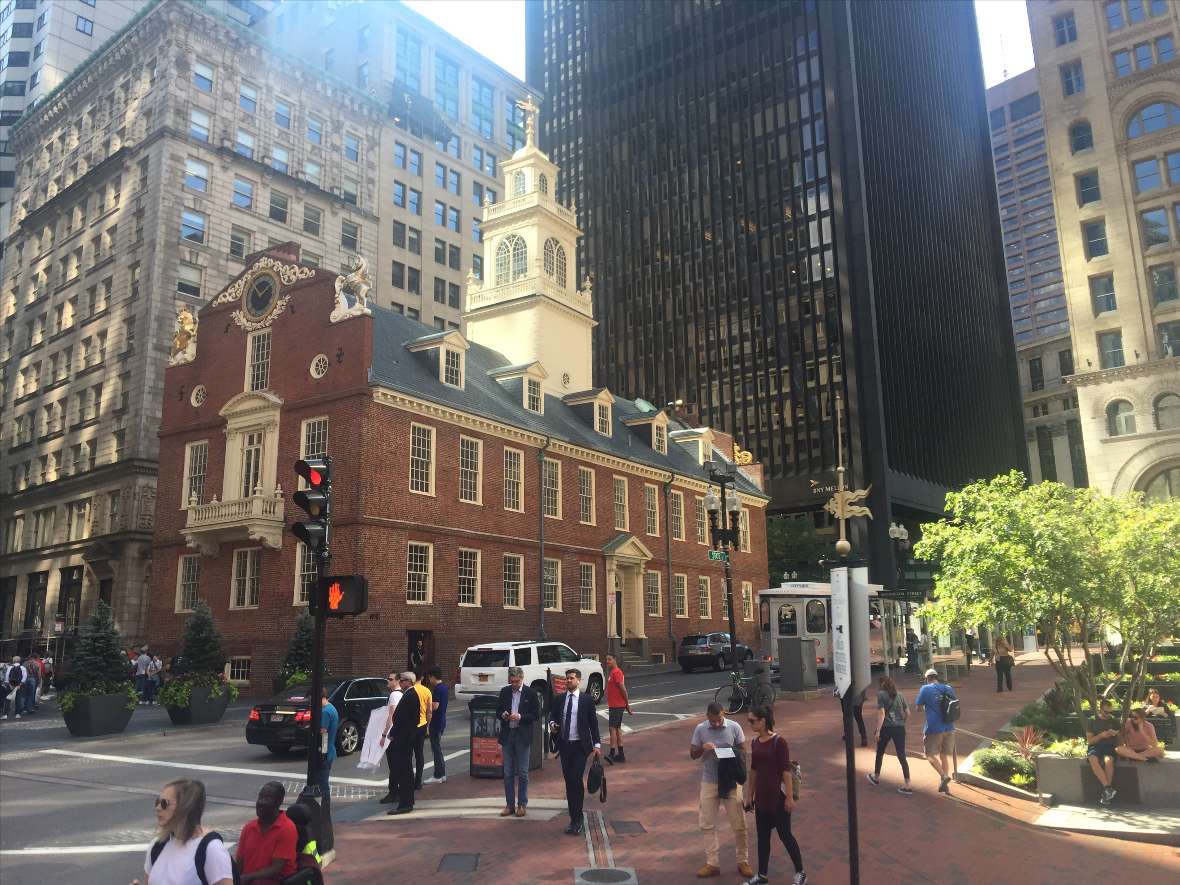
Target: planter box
98,714
1154,667
202,709
1071,782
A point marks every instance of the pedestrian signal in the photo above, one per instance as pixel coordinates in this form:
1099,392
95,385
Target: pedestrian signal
344,595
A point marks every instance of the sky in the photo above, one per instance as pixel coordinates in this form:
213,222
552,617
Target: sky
495,28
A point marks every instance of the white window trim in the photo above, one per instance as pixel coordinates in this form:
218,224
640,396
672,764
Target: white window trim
520,454
295,600
442,366
744,530
747,594
557,561
593,588
478,578
626,526
249,360
656,510
684,578
433,461
478,471
593,496
659,612
540,395
429,574
600,406
188,456
230,665
519,557
303,452
707,614
558,490
675,537
179,580
233,568
705,540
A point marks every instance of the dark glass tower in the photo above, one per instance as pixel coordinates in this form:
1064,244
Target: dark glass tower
786,201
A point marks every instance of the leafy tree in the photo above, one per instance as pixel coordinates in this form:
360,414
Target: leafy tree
793,546
99,665
200,646
1072,561
299,652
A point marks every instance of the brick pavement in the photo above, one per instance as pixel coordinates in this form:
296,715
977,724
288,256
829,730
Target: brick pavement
973,836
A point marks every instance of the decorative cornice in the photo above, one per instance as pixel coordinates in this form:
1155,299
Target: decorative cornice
1124,373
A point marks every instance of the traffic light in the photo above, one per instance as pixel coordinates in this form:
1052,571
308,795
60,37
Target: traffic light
316,501
343,595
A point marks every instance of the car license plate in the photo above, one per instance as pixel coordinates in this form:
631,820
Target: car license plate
276,717
483,677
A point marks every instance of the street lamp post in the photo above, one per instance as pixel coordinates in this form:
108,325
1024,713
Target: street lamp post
724,514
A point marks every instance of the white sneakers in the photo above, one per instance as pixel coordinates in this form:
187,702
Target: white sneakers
435,780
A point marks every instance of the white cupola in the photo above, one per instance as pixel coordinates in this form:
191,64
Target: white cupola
529,306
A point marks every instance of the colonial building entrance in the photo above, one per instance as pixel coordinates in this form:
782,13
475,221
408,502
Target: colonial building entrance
626,560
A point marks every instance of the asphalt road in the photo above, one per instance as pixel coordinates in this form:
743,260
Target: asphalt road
80,810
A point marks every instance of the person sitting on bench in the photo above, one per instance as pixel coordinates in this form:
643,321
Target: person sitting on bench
1154,705
1139,740
1102,735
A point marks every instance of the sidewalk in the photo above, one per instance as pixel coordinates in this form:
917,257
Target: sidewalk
926,838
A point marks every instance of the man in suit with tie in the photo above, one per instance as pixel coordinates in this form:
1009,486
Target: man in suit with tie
575,723
402,736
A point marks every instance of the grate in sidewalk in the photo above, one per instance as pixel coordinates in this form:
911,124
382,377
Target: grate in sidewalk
458,863
604,876
628,827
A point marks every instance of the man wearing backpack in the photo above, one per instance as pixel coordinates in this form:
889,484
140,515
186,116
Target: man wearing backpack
941,706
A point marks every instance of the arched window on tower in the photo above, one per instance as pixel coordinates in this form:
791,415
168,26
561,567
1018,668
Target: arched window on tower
543,183
554,255
561,266
1120,418
518,184
512,259
1167,412
1153,118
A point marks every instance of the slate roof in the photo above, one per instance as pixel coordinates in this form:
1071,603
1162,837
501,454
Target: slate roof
399,369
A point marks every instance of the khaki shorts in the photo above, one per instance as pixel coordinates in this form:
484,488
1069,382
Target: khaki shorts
939,742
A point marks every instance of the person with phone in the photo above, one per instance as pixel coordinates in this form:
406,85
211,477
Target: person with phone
1102,737
772,794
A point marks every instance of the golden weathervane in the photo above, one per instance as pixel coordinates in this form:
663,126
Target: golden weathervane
741,456
843,505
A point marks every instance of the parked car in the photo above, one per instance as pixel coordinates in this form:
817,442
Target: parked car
483,669
708,650
283,723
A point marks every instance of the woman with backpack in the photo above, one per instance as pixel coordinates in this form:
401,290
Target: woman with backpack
185,853
891,727
772,793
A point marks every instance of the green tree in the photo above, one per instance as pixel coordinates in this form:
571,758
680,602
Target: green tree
793,546
99,665
200,646
299,652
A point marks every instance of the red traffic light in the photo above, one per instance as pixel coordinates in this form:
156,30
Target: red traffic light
316,472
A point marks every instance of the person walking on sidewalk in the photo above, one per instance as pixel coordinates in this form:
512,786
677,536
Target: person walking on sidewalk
575,722
518,708
395,696
715,734
438,723
426,708
772,796
1004,663
142,662
1102,737
891,727
617,703
938,734
403,738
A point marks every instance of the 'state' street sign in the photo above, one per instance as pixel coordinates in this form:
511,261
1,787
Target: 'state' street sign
718,555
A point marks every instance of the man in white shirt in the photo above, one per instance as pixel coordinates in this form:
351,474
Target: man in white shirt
575,722
395,696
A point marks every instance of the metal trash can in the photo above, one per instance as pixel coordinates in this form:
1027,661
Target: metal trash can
487,757
797,671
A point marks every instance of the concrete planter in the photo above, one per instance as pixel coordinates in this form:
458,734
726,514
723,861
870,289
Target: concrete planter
1071,782
98,714
203,708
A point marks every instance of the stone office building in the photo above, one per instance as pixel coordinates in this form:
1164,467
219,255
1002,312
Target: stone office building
145,179
483,486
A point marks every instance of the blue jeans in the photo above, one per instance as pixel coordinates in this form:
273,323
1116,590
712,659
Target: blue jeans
516,766
440,762
141,689
30,693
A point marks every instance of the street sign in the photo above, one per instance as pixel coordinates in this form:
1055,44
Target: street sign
841,652
718,555
343,595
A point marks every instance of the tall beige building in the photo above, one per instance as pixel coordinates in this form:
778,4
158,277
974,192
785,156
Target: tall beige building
143,183
1110,87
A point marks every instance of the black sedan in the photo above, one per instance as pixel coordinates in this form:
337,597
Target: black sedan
283,723
708,650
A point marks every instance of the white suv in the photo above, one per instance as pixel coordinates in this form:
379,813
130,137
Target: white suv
483,669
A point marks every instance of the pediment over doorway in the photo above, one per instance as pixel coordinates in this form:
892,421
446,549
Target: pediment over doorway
626,546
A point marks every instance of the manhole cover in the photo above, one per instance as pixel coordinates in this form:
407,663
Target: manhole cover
628,827
606,876
459,863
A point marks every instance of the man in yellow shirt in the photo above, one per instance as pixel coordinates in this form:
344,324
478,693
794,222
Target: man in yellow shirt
426,703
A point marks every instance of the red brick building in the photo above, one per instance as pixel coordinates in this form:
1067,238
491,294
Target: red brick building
479,488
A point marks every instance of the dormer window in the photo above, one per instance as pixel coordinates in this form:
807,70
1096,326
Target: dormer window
602,418
453,367
659,438
532,396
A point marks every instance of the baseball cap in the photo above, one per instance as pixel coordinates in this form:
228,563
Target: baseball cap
931,672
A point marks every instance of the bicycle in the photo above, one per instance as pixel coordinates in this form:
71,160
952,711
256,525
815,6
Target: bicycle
742,693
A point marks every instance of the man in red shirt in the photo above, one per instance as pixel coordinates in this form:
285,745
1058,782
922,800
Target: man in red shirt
616,703
266,847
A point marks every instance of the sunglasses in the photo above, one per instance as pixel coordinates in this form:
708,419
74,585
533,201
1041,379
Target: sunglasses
162,803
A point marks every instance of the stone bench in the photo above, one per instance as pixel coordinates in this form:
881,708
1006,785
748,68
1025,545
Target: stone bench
1071,782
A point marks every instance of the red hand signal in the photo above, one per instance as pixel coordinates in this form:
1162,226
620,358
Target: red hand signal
335,596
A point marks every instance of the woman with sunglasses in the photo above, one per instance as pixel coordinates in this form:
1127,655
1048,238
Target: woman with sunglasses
771,793
183,843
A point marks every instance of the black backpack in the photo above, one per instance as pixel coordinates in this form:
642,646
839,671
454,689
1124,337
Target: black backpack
199,860
949,705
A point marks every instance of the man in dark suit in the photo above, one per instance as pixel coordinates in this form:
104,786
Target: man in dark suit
402,737
574,721
518,709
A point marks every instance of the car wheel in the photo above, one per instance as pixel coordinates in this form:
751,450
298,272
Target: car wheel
348,738
595,688
277,749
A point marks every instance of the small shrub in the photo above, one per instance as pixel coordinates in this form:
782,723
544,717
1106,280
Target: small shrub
1000,763
1023,781
1071,748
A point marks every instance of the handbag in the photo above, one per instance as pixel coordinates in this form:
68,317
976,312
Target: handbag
596,780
